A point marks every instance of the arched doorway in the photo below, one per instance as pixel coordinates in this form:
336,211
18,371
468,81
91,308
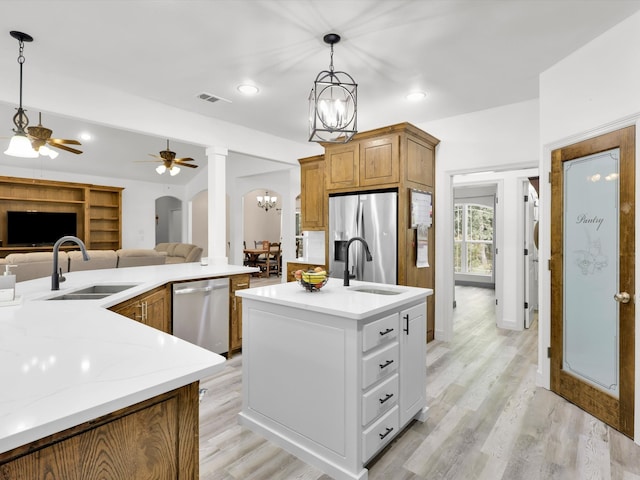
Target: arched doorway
168,219
262,222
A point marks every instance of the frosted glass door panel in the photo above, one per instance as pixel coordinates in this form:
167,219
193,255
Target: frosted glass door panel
590,267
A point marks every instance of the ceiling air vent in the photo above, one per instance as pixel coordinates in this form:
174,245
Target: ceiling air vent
207,97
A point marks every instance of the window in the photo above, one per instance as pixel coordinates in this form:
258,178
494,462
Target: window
473,239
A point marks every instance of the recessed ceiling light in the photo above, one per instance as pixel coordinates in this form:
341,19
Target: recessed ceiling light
85,136
416,96
248,89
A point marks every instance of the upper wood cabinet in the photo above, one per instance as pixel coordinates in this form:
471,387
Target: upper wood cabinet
379,160
387,157
342,166
312,195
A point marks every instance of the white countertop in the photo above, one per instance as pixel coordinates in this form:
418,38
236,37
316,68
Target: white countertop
63,363
336,299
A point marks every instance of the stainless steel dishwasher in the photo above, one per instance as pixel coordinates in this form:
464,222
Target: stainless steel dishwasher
201,313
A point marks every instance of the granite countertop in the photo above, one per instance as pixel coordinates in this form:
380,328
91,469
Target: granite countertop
336,299
66,362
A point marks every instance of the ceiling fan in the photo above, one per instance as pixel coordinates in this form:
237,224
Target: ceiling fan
170,162
41,137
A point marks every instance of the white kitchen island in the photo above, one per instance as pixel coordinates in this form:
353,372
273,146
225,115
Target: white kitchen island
332,376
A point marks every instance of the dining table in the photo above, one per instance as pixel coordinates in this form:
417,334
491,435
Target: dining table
252,255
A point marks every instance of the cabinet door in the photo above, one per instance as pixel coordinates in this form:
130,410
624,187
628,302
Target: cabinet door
312,194
156,310
420,161
151,308
380,161
413,356
238,282
129,309
342,166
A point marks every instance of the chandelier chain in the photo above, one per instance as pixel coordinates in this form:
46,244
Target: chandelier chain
331,62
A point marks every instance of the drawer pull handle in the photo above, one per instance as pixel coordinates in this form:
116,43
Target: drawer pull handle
387,397
406,318
385,364
387,432
388,330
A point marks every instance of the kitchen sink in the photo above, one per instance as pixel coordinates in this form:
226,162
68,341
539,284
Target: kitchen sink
376,290
94,292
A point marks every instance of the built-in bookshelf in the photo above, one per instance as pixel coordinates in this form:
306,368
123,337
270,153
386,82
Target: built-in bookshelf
98,209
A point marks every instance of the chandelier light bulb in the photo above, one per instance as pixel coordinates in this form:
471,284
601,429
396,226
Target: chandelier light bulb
173,171
161,169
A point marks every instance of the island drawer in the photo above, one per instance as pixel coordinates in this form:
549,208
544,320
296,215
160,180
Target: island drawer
379,332
379,399
380,433
379,364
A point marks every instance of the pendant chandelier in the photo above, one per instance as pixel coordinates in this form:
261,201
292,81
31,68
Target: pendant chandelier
266,202
20,145
333,103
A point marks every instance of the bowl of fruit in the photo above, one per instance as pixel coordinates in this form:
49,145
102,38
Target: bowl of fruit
312,280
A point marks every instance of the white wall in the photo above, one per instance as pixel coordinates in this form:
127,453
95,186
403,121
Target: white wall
592,91
496,139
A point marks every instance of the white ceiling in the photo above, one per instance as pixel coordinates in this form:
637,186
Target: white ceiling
467,55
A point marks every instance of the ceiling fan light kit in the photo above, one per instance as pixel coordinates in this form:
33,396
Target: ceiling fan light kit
170,162
333,103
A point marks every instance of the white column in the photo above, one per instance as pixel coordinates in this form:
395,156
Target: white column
217,217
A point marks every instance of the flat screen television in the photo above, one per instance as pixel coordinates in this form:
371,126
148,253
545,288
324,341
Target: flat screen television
39,228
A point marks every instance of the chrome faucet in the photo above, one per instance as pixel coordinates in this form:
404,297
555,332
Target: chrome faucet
346,257
55,277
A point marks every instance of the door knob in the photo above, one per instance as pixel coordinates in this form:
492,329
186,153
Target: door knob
622,297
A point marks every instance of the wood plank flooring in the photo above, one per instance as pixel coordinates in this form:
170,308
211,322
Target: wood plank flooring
488,420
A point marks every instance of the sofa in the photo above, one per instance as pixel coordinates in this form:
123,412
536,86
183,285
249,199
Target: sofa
35,264
137,257
175,252
97,259
40,264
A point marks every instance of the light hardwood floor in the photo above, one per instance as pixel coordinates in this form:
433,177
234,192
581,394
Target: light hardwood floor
487,419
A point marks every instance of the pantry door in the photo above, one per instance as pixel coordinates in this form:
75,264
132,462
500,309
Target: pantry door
592,276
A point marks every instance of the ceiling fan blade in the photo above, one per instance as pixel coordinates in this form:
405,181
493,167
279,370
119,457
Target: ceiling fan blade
190,165
185,159
64,147
147,161
63,140
156,156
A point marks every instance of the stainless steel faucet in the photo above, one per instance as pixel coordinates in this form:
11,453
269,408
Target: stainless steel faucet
55,277
346,257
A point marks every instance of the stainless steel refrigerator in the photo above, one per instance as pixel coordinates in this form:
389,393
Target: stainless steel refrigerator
374,217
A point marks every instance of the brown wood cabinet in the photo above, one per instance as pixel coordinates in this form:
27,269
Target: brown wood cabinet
312,197
98,209
398,157
342,166
156,438
293,266
363,163
237,282
152,308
